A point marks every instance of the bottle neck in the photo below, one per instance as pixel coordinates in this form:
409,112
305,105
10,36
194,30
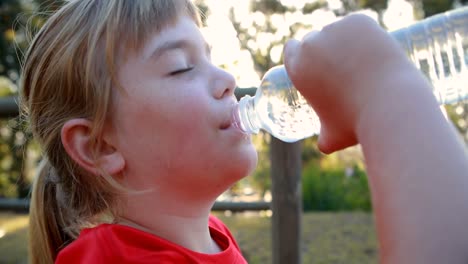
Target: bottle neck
248,118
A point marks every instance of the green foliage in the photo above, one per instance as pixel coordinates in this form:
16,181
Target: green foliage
9,63
310,150
261,57
13,142
432,7
18,20
332,190
268,7
312,6
260,179
377,5
203,9
457,113
325,187
6,86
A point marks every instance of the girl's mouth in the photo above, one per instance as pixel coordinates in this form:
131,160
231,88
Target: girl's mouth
225,125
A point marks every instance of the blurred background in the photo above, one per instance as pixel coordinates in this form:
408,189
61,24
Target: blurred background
247,37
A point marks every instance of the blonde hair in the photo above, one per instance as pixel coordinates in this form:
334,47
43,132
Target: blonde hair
69,72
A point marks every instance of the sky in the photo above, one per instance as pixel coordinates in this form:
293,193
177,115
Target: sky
226,50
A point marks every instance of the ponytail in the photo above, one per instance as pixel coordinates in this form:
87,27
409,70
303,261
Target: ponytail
46,221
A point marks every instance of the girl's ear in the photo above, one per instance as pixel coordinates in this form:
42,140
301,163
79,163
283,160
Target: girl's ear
77,141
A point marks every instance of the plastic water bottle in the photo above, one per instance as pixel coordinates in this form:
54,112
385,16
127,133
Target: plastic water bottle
438,46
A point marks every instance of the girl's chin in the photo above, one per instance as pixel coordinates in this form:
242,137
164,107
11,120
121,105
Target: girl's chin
247,166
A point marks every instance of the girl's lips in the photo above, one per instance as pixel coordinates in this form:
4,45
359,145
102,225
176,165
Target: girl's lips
225,125
232,119
236,118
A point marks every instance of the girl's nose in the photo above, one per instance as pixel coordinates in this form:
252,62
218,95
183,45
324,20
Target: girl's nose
225,84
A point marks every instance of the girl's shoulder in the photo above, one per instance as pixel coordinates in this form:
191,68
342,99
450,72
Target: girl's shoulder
114,243
104,243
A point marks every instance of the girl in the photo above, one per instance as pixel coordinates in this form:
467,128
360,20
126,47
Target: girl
135,123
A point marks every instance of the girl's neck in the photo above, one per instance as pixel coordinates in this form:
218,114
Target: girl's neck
185,225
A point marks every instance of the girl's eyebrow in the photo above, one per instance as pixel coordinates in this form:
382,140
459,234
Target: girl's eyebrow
172,45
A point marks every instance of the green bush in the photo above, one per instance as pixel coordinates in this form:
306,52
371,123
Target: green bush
333,190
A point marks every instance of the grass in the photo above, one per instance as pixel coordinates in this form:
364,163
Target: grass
326,238
13,238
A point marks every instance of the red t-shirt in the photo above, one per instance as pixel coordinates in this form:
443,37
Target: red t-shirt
111,243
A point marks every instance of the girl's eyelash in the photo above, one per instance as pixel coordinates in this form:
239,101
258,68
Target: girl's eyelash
180,71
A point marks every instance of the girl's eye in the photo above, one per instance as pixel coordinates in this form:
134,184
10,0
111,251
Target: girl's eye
180,71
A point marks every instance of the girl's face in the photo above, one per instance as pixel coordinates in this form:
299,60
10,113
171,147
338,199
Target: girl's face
173,125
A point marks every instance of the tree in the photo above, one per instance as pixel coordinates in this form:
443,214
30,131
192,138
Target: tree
12,180
18,20
267,29
264,38
9,63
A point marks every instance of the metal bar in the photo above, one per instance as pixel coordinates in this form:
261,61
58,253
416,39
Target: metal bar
8,107
15,205
241,206
22,205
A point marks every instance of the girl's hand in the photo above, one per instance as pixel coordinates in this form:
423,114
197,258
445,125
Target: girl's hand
342,69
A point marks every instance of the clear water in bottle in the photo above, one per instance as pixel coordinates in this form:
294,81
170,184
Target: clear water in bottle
438,46
278,109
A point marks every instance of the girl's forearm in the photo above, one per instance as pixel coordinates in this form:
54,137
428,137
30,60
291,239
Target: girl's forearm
418,172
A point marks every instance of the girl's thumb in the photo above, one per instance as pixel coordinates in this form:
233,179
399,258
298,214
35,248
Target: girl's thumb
334,139
291,49
325,140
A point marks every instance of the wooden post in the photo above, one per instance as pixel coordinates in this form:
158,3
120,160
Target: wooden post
286,201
